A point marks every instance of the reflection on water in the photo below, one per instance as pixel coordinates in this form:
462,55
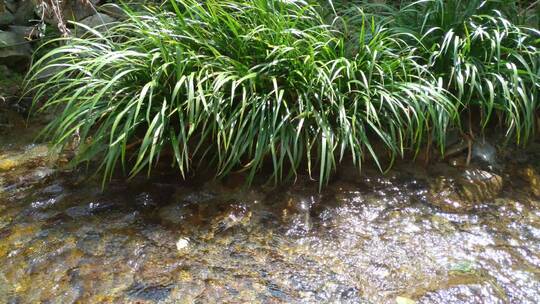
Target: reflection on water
411,234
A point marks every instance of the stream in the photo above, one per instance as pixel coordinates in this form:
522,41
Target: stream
437,234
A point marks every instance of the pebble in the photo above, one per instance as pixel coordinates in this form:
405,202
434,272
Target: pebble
182,243
404,300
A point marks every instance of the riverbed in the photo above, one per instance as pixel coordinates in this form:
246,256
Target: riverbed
415,234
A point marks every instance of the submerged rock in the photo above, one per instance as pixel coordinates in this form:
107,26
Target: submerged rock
297,211
37,175
462,193
175,214
146,292
233,215
33,156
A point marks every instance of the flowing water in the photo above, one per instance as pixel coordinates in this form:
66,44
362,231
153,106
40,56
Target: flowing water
439,234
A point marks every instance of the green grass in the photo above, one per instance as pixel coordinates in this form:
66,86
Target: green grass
235,85
484,58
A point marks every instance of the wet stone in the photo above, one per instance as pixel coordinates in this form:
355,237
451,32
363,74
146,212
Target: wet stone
141,291
88,209
78,211
145,200
6,17
465,192
37,175
476,293
478,185
96,207
45,203
176,213
53,189
91,244
198,196
99,22
236,214
159,236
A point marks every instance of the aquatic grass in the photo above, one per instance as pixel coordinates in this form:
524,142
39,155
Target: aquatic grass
486,59
235,85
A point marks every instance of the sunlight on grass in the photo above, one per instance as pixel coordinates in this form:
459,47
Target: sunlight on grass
237,84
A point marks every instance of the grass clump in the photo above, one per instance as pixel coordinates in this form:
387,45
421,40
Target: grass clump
235,85
486,59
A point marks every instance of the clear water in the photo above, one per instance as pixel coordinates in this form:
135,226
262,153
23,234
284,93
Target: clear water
364,239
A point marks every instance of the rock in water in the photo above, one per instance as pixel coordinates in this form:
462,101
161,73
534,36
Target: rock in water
175,214
234,215
478,185
462,193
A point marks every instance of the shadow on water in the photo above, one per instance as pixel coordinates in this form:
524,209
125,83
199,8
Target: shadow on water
443,235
